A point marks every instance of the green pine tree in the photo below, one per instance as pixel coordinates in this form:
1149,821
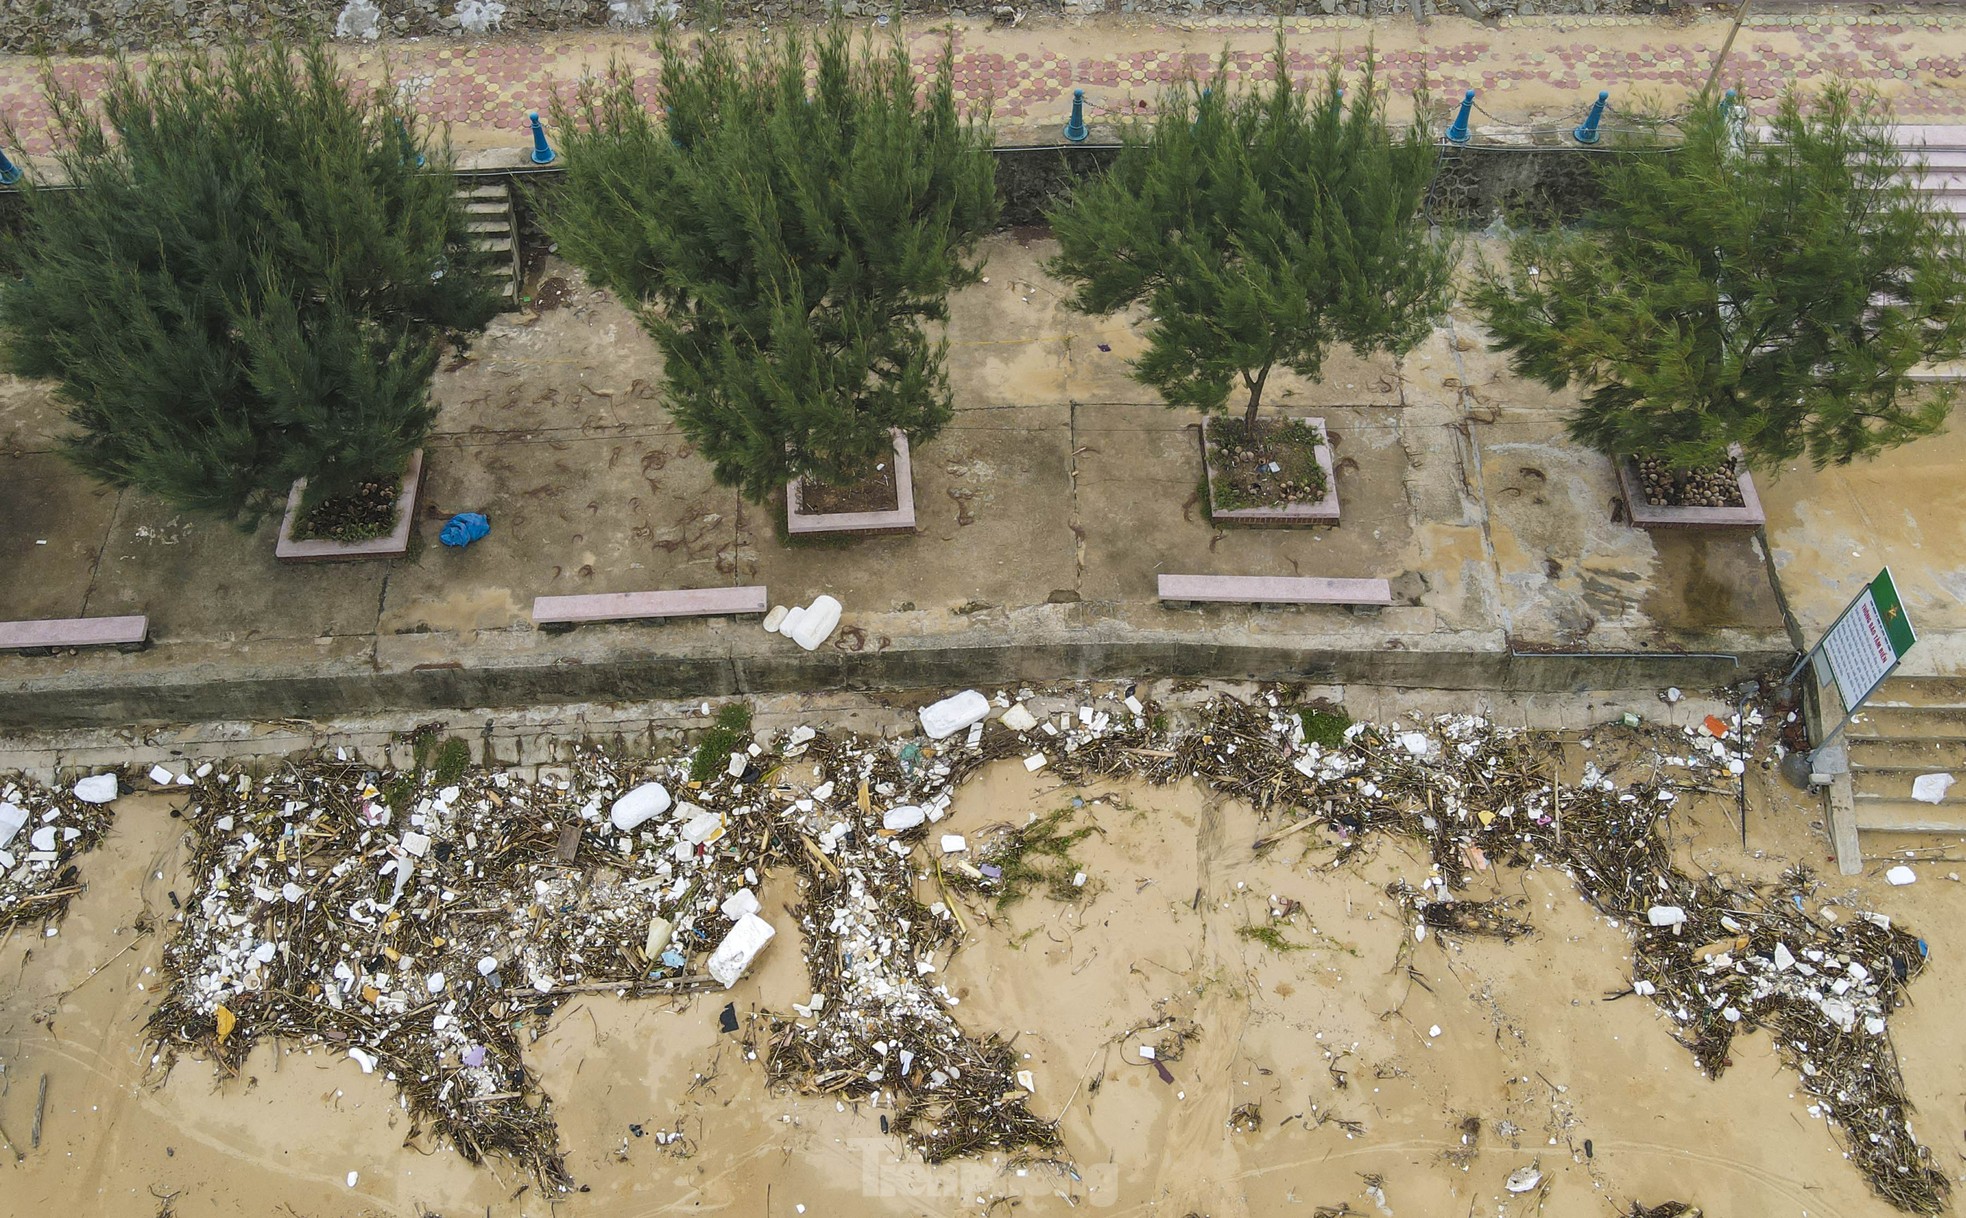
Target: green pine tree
785,244
1770,291
1259,227
251,282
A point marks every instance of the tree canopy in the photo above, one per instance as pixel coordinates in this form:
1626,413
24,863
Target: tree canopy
251,281
1769,289
1259,226
785,242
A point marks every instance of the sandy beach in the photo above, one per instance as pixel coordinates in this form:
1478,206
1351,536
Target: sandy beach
1328,1060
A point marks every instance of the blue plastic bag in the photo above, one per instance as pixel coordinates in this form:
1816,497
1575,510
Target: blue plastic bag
464,528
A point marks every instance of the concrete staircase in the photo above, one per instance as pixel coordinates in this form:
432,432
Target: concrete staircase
494,231
1911,726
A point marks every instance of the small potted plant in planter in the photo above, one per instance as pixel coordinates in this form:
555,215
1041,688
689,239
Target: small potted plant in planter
371,520
1719,495
1276,473
882,502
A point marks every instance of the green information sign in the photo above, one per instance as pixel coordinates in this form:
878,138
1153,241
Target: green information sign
1866,642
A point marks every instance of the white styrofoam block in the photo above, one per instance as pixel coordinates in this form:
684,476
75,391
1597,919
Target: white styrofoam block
1901,875
739,948
638,805
954,843
96,789
739,903
161,776
821,618
953,714
905,817
1665,915
705,827
791,620
1035,762
1930,788
776,618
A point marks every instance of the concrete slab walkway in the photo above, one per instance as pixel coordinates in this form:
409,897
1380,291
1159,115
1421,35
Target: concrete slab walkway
1048,508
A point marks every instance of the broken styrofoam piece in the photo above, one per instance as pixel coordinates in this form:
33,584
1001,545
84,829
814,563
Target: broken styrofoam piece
739,903
954,843
1930,788
43,838
904,817
367,1061
1018,718
416,843
953,714
1665,915
705,827
1901,875
790,622
12,820
776,618
1035,762
96,789
161,776
638,805
660,931
739,948
821,618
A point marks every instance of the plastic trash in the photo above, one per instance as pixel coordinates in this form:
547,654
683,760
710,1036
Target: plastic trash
739,948
1665,915
649,799
463,529
1901,875
953,714
1931,788
660,929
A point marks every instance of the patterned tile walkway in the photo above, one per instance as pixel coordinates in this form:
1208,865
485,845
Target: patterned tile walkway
1540,72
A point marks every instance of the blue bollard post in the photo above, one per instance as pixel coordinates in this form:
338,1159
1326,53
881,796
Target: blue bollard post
1587,134
1075,127
542,153
409,146
9,172
1458,132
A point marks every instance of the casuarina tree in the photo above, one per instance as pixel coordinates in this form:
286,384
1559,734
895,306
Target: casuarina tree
1259,226
785,238
251,281
1768,288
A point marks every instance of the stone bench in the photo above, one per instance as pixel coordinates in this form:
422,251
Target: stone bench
1275,590
49,634
566,612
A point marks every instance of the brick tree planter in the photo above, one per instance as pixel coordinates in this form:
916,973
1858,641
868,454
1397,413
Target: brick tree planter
396,544
801,523
1647,515
1295,515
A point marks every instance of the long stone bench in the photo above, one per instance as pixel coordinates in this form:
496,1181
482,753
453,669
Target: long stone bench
566,612
48,634
1275,590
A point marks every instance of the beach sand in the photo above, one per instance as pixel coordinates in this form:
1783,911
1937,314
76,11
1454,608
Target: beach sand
1428,1071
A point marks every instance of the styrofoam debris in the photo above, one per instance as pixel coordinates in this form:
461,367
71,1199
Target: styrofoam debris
1035,762
953,714
1018,718
903,818
954,843
739,948
817,624
739,903
1665,915
96,789
1901,875
648,800
775,618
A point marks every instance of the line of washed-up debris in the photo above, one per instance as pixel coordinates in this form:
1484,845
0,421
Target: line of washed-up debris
42,834
427,929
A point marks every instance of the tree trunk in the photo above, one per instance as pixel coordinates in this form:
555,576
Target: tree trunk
1255,398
